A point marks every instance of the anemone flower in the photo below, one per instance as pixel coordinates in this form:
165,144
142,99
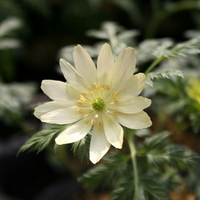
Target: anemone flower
99,100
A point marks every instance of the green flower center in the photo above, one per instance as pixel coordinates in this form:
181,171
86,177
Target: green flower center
98,103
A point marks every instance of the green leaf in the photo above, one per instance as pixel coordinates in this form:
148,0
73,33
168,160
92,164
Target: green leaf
13,98
192,182
107,173
159,47
175,156
155,141
191,46
154,190
81,147
194,117
123,191
163,74
182,156
148,190
41,139
9,25
159,152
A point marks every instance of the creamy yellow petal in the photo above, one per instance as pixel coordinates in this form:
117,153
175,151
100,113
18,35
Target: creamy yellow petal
134,121
99,145
84,64
124,66
113,131
73,133
60,91
61,116
47,107
105,64
132,87
131,105
73,77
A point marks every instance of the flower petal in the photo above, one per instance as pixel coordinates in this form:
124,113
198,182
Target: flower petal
73,133
60,91
84,64
105,64
124,66
113,131
134,121
61,116
73,77
131,105
133,86
99,145
47,107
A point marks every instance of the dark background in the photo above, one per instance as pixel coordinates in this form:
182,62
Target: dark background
47,26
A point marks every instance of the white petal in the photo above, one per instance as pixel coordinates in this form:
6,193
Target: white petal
124,66
133,86
131,105
60,91
99,145
113,131
73,77
61,116
84,64
47,107
73,133
105,64
134,121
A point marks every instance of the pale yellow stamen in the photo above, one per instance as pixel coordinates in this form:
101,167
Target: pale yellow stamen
80,111
95,100
113,113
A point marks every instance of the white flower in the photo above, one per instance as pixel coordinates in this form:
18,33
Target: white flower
99,98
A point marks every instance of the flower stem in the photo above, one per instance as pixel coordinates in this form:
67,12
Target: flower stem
154,64
134,163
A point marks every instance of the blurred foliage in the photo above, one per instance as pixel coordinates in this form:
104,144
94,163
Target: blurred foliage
13,100
166,37
158,162
7,43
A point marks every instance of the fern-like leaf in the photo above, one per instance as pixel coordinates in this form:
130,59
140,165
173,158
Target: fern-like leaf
41,139
159,153
191,46
153,190
123,191
163,74
155,141
148,189
107,173
81,148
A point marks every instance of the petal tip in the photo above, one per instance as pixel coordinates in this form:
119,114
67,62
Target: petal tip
78,46
94,158
36,114
58,141
62,60
117,145
106,44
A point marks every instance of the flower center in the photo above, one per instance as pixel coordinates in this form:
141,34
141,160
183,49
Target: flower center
98,103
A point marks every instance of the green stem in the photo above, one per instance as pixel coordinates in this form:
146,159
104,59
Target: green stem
134,163
154,64
158,60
